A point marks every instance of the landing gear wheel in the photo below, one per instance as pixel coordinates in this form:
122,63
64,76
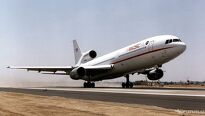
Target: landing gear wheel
123,85
131,85
85,85
128,84
92,85
89,85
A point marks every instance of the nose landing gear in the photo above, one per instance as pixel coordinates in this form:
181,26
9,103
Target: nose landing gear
128,84
89,84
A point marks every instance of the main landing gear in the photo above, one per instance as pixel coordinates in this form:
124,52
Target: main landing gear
89,84
128,84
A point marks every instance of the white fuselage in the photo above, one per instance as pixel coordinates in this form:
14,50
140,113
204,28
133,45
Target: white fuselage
142,55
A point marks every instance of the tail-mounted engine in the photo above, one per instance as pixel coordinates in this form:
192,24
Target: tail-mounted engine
88,56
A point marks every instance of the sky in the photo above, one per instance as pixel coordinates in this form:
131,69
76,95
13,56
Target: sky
40,33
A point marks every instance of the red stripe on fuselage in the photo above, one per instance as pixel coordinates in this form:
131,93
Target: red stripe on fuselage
141,55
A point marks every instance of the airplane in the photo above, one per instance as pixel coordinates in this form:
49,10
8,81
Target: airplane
144,57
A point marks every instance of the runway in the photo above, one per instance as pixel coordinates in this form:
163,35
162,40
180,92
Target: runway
183,99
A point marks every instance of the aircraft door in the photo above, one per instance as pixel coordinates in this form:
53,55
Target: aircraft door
150,45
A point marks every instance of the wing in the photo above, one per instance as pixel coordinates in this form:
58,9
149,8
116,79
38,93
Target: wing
98,67
51,69
65,70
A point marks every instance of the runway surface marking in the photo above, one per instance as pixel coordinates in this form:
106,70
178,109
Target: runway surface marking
134,91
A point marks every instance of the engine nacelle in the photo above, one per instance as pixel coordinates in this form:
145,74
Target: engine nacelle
92,54
155,74
88,56
78,73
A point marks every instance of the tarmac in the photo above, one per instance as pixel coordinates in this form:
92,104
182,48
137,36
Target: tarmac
170,98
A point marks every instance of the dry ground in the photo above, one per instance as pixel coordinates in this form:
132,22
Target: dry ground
186,86
18,104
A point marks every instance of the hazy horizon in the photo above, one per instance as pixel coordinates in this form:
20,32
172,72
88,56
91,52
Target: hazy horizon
40,33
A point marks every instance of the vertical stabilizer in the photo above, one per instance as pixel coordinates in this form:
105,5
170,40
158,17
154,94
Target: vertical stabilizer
77,52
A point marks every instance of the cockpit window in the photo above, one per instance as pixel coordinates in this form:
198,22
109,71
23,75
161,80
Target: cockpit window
172,40
167,41
147,42
176,40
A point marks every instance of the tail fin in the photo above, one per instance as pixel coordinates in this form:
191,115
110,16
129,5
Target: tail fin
77,52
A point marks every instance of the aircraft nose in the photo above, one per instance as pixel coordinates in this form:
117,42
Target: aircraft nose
182,47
